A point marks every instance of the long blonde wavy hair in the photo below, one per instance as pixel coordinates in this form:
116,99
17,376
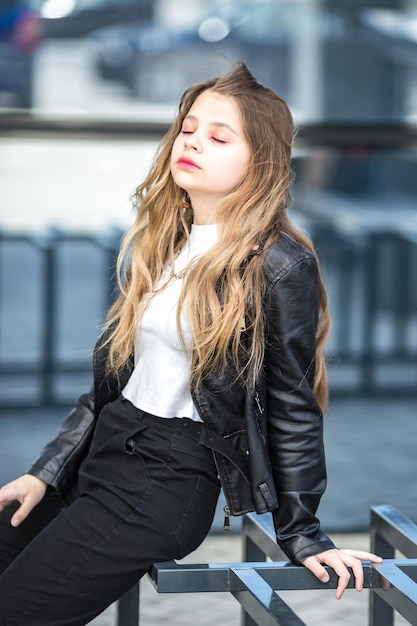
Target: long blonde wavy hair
223,289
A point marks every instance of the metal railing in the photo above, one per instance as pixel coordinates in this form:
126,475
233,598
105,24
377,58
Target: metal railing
255,583
43,310
391,533
55,290
373,304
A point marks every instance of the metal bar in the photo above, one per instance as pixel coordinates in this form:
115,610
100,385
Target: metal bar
110,245
402,291
128,608
251,551
380,613
260,529
49,323
257,598
287,577
397,588
171,577
396,529
390,529
370,270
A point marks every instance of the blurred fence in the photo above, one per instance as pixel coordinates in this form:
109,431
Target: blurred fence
373,303
55,289
54,292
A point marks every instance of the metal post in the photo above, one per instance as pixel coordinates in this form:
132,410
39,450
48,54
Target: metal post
370,295
401,294
49,322
128,607
258,598
380,613
250,552
112,251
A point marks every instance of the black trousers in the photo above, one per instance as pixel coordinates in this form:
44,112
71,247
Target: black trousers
146,492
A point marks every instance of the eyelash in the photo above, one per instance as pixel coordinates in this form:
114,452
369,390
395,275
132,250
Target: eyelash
190,132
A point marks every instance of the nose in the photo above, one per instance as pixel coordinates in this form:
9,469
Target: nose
191,142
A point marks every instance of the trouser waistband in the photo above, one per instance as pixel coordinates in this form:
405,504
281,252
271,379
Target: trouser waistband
184,424
212,440
205,437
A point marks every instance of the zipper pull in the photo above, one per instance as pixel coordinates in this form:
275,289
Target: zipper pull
258,403
227,524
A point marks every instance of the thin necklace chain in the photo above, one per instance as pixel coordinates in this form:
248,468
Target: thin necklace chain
183,273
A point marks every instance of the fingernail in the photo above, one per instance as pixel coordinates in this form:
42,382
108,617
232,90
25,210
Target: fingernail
325,579
15,522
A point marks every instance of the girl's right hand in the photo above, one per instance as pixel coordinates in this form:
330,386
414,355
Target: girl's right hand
28,490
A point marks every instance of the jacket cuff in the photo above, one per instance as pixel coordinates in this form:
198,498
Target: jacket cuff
300,548
42,473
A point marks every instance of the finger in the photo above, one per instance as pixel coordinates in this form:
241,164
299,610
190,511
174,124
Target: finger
318,570
22,512
356,564
363,556
343,579
357,570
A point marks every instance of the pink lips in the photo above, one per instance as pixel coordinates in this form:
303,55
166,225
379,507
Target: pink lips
187,164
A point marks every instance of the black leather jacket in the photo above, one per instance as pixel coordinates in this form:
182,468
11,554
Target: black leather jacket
274,422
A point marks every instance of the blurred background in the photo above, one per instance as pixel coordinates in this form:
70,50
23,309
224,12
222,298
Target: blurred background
88,87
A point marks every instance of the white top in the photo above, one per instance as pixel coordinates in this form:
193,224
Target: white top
159,383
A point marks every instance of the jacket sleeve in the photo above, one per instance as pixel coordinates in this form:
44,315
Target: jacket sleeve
60,459
295,420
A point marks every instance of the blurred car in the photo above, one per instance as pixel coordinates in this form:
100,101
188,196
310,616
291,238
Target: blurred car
20,34
157,63
76,18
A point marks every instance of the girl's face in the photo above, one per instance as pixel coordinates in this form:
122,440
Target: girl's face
210,156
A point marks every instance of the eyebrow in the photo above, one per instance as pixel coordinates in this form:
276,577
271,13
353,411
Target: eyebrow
193,118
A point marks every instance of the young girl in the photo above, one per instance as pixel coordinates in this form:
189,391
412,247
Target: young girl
209,373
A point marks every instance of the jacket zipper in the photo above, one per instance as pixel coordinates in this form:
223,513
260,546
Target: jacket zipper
258,402
227,523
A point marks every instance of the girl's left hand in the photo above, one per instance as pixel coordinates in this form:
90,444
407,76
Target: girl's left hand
339,560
